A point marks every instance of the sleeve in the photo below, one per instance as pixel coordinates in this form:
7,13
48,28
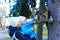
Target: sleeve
31,22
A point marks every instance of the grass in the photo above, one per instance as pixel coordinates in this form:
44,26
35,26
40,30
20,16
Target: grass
6,32
8,39
45,31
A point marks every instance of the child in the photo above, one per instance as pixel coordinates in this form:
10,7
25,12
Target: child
26,32
19,34
26,28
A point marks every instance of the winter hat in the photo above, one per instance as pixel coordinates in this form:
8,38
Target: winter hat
22,18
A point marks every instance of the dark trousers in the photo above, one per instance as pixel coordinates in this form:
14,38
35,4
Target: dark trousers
12,30
21,36
34,38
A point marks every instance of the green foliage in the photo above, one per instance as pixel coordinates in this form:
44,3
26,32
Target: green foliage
25,9
22,8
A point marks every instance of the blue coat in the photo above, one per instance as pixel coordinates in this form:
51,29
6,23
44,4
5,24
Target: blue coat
28,30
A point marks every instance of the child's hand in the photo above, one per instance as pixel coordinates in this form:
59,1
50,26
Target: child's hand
19,24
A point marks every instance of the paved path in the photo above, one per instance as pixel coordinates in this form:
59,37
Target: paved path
3,36
45,37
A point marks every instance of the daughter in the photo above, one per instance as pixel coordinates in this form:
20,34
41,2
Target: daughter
26,28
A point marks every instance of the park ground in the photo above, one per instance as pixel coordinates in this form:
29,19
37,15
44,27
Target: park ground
4,35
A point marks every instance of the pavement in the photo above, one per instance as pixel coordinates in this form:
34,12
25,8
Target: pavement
45,36
3,36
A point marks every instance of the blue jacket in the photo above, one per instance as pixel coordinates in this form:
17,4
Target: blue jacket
28,30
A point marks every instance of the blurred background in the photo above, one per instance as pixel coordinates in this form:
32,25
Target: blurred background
15,8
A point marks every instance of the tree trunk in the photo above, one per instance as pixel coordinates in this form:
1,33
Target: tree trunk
39,29
40,25
54,30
